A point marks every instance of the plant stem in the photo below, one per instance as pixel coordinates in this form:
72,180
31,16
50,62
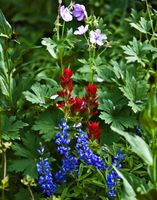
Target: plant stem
4,164
151,21
4,160
63,27
31,193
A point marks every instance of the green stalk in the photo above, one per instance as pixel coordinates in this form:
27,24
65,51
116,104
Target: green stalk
31,193
4,164
150,18
63,27
154,170
148,10
4,161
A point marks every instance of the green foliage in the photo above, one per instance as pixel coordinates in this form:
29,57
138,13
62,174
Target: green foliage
111,115
143,26
11,128
47,124
5,28
22,194
27,153
137,51
50,46
40,94
124,70
137,143
136,92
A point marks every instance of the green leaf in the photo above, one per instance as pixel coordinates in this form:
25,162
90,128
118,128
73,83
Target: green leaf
137,143
137,52
51,46
47,124
27,151
136,91
22,194
11,128
39,94
151,195
143,26
127,192
139,185
116,115
5,28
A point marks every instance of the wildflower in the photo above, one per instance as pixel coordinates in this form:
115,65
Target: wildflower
91,91
68,73
45,177
91,98
96,37
85,152
112,177
81,30
77,105
69,162
66,81
79,12
94,130
65,14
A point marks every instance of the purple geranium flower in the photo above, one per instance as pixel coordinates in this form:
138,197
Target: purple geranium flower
81,30
79,12
65,14
96,37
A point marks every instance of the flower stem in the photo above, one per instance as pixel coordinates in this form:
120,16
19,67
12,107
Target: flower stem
4,164
31,193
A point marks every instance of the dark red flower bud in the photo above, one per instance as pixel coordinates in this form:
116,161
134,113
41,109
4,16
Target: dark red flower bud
67,73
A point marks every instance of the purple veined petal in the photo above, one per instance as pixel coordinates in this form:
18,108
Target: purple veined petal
79,12
81,30
97,38
92,37
103,36
65,14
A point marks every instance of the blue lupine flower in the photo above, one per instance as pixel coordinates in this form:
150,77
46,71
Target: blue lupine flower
45,177
69,162
85,152
138,130
112,177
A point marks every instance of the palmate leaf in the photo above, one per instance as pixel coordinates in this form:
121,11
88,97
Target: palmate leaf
47,124
137,51
39,94
27,151
116,115
51,46
11,127
143,26
136,92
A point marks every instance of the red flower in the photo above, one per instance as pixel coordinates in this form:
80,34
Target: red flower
65,80
67,73
91,91
77,105
94,130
